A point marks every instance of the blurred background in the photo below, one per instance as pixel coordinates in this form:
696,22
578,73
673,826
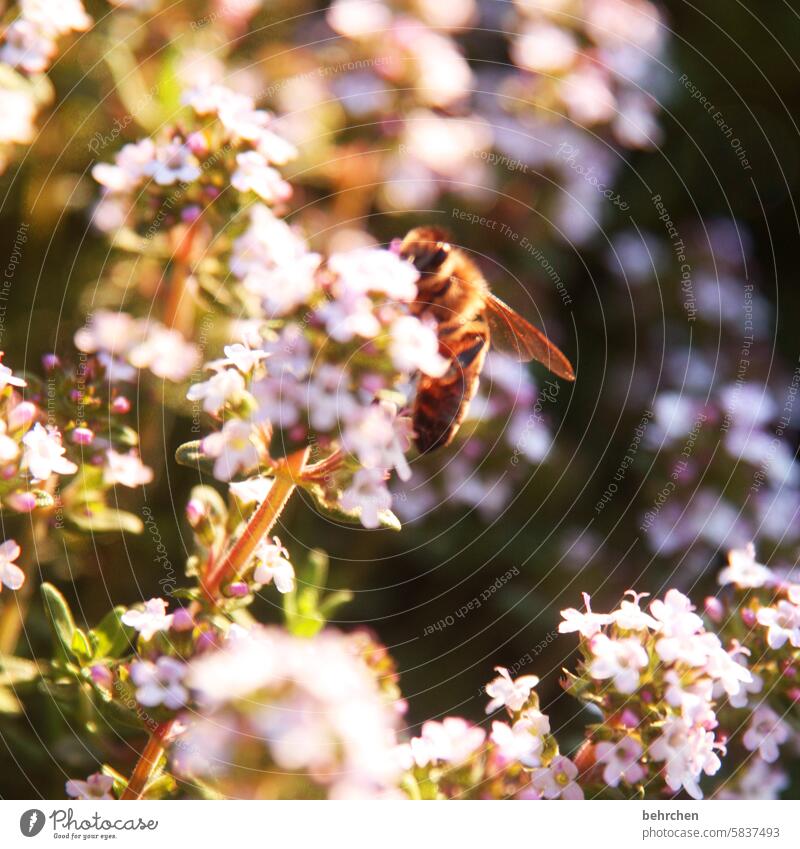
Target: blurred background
632,190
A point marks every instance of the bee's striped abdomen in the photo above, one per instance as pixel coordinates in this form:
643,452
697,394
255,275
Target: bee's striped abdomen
441,403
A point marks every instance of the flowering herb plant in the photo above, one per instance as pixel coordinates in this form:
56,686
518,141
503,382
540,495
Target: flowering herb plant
250,347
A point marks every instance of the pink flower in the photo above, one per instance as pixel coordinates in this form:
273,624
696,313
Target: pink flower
415,347
505,692
379,437
587,624
453,740
232,448
130,168
126,469
675,615
687,751
545,48
366,270
557,780
368,494
7,377
630,617
273,564
620,660
253,174
96,786
151,620
766,732
173,163
11,575
521,742
44,454
165,352
743,571
224,386
782,623
621,761
160,682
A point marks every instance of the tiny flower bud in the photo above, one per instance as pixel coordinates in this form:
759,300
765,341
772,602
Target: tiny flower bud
297,433
50,362
748,616
191,213
195,512
206,641
82,436
121,405
794,694
101,676
22,502
182,620
629,719
238,589
197,143
22,414
714,609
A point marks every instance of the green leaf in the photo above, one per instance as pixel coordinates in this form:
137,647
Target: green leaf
43,498
81,647
386,519
105,520
111,639
17,670
159,787
191,454
60,618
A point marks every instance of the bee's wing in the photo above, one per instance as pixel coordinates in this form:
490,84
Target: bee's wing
512,334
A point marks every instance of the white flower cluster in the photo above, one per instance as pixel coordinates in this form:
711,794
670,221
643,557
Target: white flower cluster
28,46
599,57
186,171
124,344
327,358
275,702
664,659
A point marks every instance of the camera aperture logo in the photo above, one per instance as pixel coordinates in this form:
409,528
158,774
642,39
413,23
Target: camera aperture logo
31,822
65,825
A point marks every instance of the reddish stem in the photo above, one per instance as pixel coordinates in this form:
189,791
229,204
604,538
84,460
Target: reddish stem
287,473
147,763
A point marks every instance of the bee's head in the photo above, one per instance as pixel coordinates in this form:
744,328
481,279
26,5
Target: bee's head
427,248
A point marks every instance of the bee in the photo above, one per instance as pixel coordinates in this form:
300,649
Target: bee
469,318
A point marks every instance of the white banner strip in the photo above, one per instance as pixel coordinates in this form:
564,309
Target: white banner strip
403,825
